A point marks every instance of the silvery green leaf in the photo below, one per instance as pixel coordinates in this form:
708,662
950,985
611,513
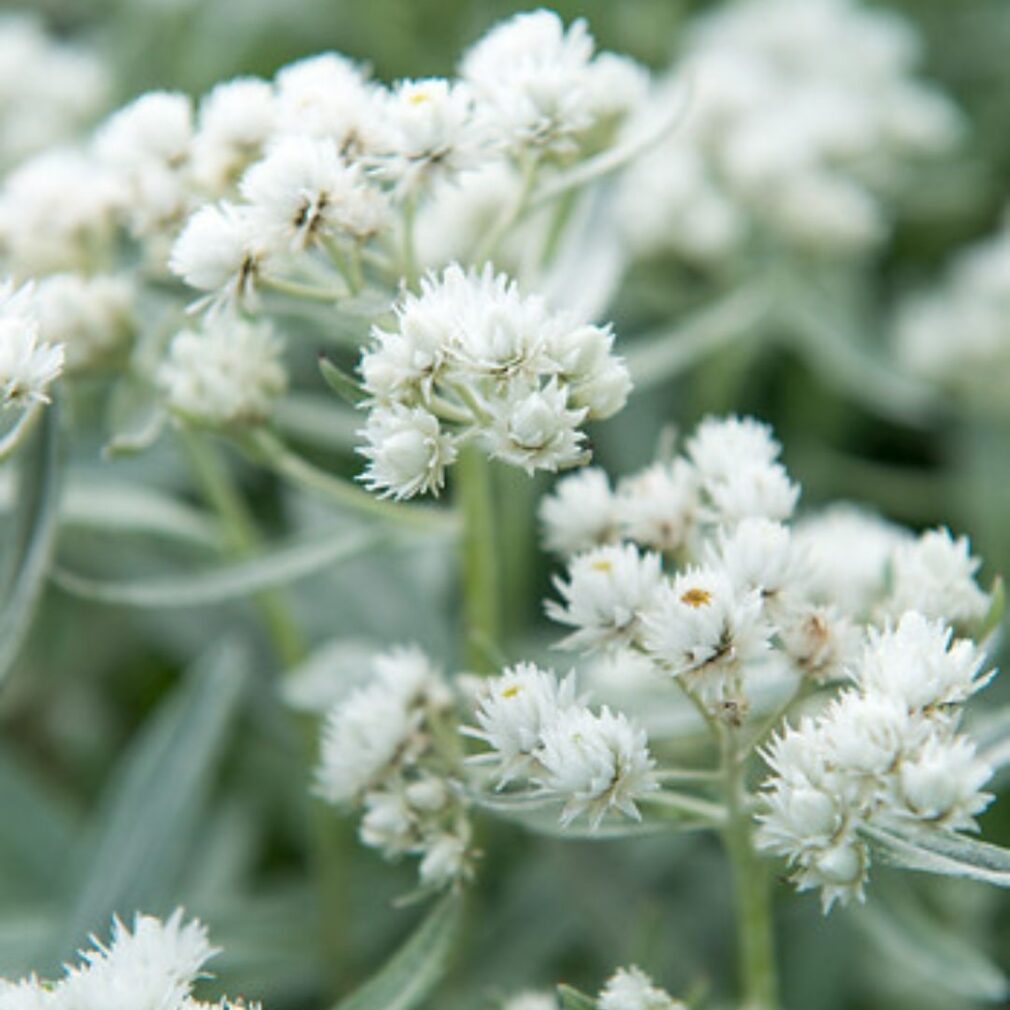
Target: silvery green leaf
912,940
572,999
134,852
943,852
993,619
318,420
30,543
344,385
542,816
411,974
227,581
36,833
136,418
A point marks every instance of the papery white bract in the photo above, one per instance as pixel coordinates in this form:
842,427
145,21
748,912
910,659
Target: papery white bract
595,763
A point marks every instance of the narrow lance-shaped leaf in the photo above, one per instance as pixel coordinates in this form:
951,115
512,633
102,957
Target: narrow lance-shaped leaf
412,973
941,852
928,950
228,581
31,542
572,999
36,833
134,853
341,383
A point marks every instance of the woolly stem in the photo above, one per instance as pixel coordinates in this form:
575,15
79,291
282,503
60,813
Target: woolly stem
242,540
755,929
269,449
481,605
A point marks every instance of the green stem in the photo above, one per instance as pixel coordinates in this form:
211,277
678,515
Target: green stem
242,540
408,251
488,245
755,933
481,606
267,447
298,289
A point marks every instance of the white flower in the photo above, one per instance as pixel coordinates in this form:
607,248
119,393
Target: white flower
533,78
304,191
146,146
839,871
235,120
407,451
658,507
445,857
631,989
822,642
388,823
721,446
584,359
735,459
363,738
151,968
935,575
866,735
220,251
607,592
156,127
595,763
534,428
92,316
28,994
702,622
758,554
230,372
918,663
57,212
431,132
847,553
327,96
49,88
580,514
942,784
28,365
512,711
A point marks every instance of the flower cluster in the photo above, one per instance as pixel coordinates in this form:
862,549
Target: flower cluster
313,185
543,737
957,334
227,373
691,570
48,89
472,359
152,967
384,749
749,593
788,140
29,363
886,749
